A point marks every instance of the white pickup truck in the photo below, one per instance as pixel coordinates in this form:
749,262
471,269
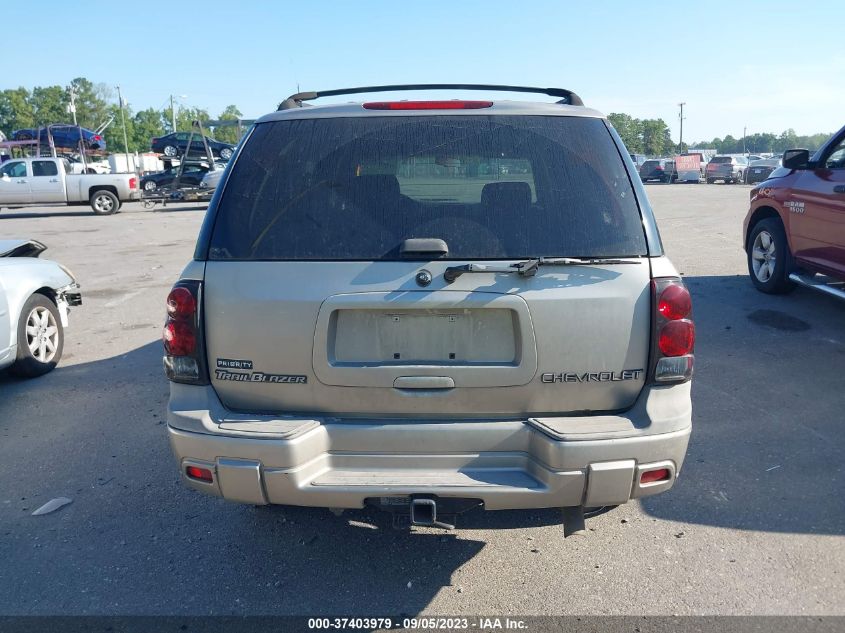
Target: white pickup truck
49,181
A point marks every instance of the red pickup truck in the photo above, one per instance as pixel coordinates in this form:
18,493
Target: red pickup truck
794,232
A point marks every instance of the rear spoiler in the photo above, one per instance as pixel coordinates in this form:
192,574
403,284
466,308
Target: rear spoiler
21,248
567,97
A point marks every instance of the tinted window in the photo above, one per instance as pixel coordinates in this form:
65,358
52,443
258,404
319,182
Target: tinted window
14,170
721,160
44,168
490,186
836,159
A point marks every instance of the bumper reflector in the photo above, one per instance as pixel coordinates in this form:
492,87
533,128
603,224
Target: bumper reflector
202,474
652,476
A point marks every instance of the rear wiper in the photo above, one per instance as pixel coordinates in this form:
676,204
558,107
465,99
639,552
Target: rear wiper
529,267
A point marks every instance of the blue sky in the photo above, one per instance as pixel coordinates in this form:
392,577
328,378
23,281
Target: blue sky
765,65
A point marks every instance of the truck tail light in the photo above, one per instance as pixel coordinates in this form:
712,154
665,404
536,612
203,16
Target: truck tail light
133,183
673,332
184,343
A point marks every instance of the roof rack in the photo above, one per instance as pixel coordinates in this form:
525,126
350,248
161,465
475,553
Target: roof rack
567,97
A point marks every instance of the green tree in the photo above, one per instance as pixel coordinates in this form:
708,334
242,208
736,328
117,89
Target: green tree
114,132
146,124
629,129
656,138
92,102
50,105
186,116
16,110
228,134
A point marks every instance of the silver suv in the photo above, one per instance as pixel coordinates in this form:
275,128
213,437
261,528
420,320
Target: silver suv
729,169
429,306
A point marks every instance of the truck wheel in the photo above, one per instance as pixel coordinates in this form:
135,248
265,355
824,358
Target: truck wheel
104,202
40,338
769,259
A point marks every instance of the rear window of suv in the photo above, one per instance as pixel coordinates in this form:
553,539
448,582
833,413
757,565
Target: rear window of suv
721,160
492,187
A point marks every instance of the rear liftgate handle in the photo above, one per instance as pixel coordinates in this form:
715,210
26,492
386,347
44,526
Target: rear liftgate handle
424,382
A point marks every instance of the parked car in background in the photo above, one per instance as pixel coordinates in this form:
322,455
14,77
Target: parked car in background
192,175
759,170
77,166
661,169
211,179
794,232
64,137
752,157
729,169
47,181
176,144
35,298
355,329
639,159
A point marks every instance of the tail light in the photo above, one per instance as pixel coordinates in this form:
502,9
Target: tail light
153,140
133,183
184,343
427,105
97,137
673,332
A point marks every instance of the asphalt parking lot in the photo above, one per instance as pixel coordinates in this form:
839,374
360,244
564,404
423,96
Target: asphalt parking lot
754,526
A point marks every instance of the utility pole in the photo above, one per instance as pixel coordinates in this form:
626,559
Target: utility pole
744,129
72,106
123,120
172,114
681,140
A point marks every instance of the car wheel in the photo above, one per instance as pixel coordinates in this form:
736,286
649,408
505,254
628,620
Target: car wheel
40,338
104,202
226,153
769,259
150,185
171,151
710,181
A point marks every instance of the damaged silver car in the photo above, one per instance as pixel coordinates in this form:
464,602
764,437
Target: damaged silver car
35,298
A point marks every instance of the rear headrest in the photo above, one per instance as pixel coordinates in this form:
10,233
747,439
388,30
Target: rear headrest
517,194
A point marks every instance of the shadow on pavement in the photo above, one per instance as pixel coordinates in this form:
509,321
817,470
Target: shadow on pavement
16,214
767,442
134,540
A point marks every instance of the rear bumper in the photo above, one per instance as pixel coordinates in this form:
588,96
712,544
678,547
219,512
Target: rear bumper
508,464
722,175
